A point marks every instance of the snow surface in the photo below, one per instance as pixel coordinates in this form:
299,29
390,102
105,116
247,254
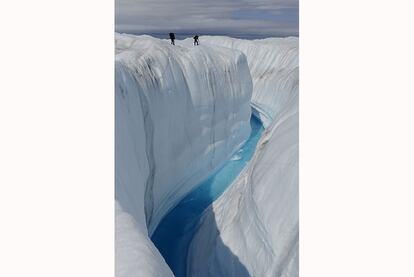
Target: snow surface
180,113
253,228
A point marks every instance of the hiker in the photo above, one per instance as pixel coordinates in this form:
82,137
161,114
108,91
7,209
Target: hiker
196,42
172,37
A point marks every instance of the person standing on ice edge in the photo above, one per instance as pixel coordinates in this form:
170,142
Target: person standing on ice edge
172,37
196,42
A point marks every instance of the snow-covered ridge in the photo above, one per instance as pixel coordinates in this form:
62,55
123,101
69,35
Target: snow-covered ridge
180,112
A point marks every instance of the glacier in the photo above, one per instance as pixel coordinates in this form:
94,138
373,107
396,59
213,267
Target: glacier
274,68
253,228
181,112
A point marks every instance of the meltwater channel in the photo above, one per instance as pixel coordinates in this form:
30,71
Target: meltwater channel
176,230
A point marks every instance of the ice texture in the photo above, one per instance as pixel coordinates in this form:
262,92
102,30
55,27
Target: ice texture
274,68
183,110
180,112
253,228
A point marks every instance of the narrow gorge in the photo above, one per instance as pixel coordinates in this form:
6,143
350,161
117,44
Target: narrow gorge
188,120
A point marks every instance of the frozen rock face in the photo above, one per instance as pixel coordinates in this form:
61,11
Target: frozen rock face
274,67
180,113
252,229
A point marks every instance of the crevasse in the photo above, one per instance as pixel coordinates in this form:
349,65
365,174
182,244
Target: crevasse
180,113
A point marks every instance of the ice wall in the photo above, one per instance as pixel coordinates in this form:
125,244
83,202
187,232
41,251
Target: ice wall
180,112
252,229
274,67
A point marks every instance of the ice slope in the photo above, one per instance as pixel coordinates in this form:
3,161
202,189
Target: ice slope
274,67
252,229
180,113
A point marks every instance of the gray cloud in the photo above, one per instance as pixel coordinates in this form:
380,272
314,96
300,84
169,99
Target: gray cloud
232,17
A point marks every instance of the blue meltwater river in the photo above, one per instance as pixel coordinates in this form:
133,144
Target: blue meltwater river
176,230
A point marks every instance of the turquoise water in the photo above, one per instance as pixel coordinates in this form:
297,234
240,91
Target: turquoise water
176,230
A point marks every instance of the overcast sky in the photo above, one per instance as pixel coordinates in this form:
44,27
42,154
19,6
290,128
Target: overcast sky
239,18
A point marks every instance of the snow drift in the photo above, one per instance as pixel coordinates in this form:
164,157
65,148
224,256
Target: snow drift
180,113
252,229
